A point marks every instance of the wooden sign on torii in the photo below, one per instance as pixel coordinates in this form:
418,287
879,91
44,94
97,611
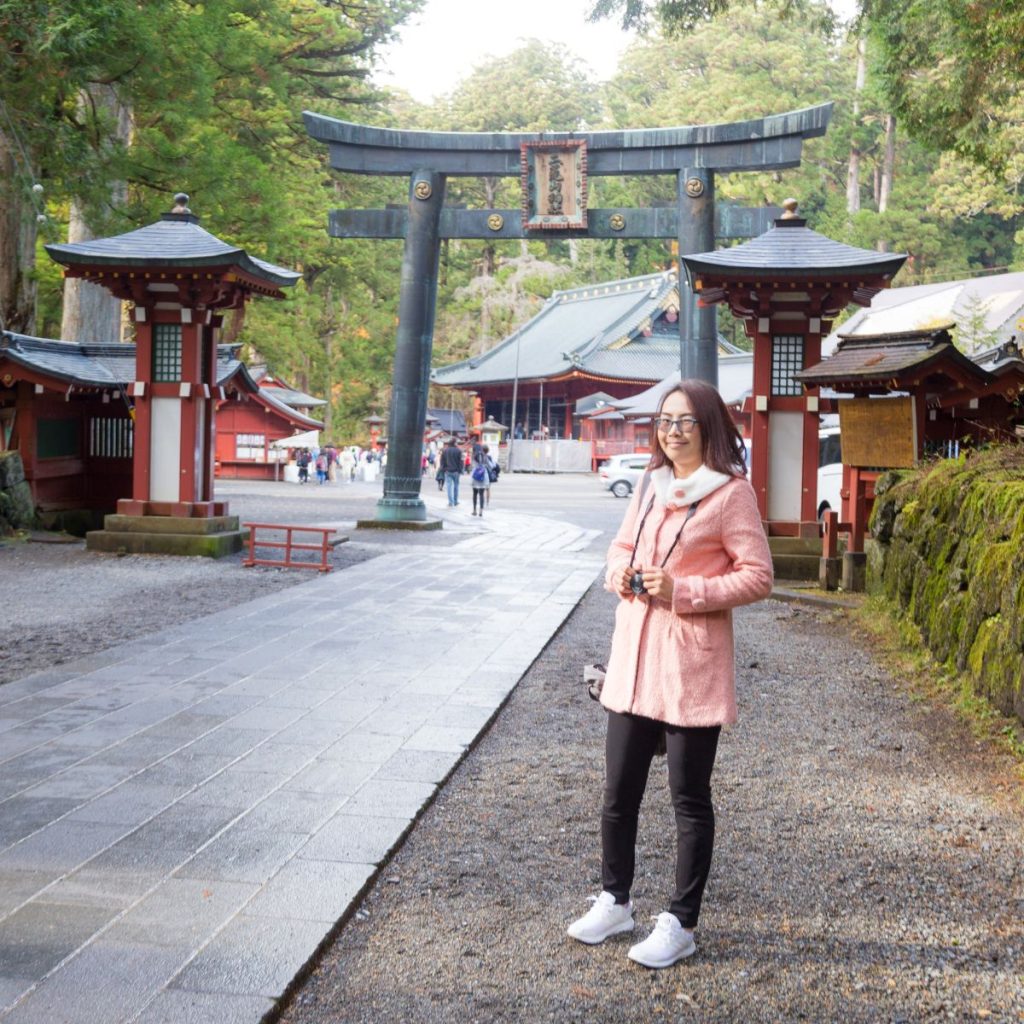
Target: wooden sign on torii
553,168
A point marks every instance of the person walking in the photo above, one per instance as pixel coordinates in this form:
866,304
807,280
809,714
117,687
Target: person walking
346,464
690,549
480,479
493,471
451,464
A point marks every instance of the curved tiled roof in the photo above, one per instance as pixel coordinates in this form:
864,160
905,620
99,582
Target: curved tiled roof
595,329
872,358
174,240
97,365
791,247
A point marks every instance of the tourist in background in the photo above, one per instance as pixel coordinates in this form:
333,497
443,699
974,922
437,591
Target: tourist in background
451,464
480,480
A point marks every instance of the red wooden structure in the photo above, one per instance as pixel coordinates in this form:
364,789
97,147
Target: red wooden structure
181,281
64,406
787,286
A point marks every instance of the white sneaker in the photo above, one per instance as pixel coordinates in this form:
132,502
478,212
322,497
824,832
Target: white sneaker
603,919
669,942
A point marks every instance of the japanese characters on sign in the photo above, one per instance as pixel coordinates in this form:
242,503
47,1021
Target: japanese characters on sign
554,185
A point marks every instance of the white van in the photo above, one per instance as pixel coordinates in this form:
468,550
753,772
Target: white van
830,471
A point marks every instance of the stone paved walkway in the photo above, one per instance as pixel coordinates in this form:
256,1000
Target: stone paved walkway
184,819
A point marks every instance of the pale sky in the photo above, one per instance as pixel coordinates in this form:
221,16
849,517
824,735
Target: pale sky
441,46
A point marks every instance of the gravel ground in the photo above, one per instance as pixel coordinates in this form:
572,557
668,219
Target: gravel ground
868,866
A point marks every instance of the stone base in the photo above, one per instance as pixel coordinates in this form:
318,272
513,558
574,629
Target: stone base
170,524
212,537
398,524
855,565
795,558
829,572
400,514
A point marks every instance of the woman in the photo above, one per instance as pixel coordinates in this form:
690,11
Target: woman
480,480
690,548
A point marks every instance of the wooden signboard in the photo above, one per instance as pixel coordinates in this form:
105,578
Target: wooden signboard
554,184
878,433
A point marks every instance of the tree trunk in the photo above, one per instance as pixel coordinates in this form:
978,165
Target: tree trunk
888,164
18,229
90,312
853,171
234,322
330,326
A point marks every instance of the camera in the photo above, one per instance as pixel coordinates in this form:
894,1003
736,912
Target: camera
636,583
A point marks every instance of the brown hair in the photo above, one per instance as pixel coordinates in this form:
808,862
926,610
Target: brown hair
721,445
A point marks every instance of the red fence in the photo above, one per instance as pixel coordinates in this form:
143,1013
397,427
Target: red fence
288,545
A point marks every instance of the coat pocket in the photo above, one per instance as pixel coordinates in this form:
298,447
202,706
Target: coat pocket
699,623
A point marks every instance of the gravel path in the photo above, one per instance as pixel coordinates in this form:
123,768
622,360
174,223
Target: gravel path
868,866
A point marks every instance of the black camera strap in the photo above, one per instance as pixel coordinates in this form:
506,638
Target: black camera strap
639,532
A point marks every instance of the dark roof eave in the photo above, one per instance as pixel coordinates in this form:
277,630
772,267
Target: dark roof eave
739,273
68,256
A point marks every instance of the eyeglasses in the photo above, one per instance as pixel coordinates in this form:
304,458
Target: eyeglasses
685,424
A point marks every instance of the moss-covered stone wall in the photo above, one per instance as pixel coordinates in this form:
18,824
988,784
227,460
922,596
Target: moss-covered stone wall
951,554
17,509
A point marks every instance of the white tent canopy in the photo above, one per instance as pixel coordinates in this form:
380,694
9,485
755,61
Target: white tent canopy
309,439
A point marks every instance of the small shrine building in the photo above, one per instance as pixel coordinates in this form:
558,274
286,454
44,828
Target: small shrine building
181,281
65,407
787,286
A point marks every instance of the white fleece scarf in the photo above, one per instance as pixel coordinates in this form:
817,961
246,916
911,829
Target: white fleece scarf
676,493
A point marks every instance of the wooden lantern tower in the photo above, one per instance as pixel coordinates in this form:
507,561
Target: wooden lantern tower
181,280
787,286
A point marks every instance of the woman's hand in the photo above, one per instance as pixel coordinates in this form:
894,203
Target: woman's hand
658,584
620,581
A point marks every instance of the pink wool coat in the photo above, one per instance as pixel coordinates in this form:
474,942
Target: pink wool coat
675,663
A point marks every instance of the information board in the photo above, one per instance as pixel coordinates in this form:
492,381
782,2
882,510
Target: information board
878,433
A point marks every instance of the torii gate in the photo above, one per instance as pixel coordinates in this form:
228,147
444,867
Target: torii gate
553,168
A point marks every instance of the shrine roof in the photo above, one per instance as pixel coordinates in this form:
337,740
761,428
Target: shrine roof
735,381
97,365
889,358
289,396
286,411
792,248
594,329
176,240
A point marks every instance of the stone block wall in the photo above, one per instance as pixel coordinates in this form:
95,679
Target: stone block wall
950,552
17,509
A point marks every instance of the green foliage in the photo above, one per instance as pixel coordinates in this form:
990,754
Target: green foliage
679,16
953,70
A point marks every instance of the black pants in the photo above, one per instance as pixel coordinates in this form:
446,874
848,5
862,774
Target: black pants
478,497
630,746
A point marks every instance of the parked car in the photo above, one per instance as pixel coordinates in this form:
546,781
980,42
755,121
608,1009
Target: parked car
621,472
